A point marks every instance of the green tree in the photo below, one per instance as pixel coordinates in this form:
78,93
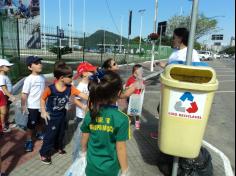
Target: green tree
204,27
229,50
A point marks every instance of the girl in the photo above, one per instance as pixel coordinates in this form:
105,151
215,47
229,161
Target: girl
105,129
54,112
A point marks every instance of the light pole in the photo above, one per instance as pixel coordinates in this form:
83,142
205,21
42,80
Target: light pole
155,31
141,26
121,31
44,23
84,30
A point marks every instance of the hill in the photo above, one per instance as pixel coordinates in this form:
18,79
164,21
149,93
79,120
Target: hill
96,38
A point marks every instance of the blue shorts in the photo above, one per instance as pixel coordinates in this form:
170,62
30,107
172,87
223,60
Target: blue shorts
34,118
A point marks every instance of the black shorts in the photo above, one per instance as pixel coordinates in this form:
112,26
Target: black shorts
34,118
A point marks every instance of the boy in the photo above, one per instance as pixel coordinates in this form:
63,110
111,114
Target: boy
53,111
30,99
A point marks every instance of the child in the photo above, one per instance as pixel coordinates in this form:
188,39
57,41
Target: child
105,129
6,96
84,70
30,99
54,112
137,76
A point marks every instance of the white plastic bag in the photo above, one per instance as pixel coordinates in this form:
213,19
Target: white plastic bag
77,145
78,167
21,119
136,104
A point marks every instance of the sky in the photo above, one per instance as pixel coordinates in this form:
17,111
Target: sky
113,15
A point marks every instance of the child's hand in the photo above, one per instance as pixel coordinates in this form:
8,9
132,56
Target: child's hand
138,84
12,98
45,116
24,110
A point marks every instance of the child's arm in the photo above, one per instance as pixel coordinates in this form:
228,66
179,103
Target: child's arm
44,114
122,155
79,104
24,97
7,93
127,92
76,92
84,142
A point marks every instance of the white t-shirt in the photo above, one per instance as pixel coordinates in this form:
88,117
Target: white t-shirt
34,86
82,87
5,81
181,55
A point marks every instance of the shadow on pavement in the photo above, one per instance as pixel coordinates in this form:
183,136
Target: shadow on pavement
148,146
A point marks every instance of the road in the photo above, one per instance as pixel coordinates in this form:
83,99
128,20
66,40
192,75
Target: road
220,131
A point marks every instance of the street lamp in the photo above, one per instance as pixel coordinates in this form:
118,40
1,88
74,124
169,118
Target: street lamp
155,31
141,26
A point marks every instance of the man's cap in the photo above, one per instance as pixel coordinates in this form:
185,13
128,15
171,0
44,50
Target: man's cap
84,67
4,62
32,59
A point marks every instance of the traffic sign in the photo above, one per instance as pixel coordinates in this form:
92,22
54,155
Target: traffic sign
162,28
217,37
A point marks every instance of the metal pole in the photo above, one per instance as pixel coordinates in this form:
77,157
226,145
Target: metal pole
44,24
175,166
60,22
84,47
2,41
141,27
18,38
192,31
160,36
104,41
155,31
121,31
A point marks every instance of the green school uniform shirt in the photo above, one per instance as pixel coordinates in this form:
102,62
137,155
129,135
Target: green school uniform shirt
111,126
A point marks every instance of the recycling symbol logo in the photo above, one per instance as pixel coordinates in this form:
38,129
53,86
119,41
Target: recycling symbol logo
179,106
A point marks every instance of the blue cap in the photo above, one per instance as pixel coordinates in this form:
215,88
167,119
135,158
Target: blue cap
32,59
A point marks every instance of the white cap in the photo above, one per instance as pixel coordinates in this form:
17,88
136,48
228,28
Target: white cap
4,62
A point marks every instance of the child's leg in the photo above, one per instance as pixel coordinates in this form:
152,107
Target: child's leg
59,141
137,122
50,134
77,139
3,115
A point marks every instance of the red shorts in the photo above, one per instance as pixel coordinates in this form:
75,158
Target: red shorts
3,100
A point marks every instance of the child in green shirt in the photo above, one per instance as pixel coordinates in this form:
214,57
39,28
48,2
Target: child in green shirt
105,129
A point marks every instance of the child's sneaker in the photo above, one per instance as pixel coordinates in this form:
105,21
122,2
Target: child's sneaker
39,136
137,125
29,146
45,160
62,152
6,129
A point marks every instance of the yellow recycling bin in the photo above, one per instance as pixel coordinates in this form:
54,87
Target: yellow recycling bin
186,98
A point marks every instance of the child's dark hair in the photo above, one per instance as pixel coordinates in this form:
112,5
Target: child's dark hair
61,69
107,64
103,91
135,67
183,33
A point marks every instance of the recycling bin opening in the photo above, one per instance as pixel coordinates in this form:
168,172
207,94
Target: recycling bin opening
190,75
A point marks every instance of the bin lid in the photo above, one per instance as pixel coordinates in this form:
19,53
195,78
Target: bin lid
201,78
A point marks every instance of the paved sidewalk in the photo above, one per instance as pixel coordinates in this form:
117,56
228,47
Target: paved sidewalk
142,149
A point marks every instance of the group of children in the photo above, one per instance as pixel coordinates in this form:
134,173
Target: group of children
104,127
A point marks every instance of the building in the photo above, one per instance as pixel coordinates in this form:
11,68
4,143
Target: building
232,41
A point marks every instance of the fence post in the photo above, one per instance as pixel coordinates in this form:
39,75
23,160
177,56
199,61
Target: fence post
18,38
2,41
